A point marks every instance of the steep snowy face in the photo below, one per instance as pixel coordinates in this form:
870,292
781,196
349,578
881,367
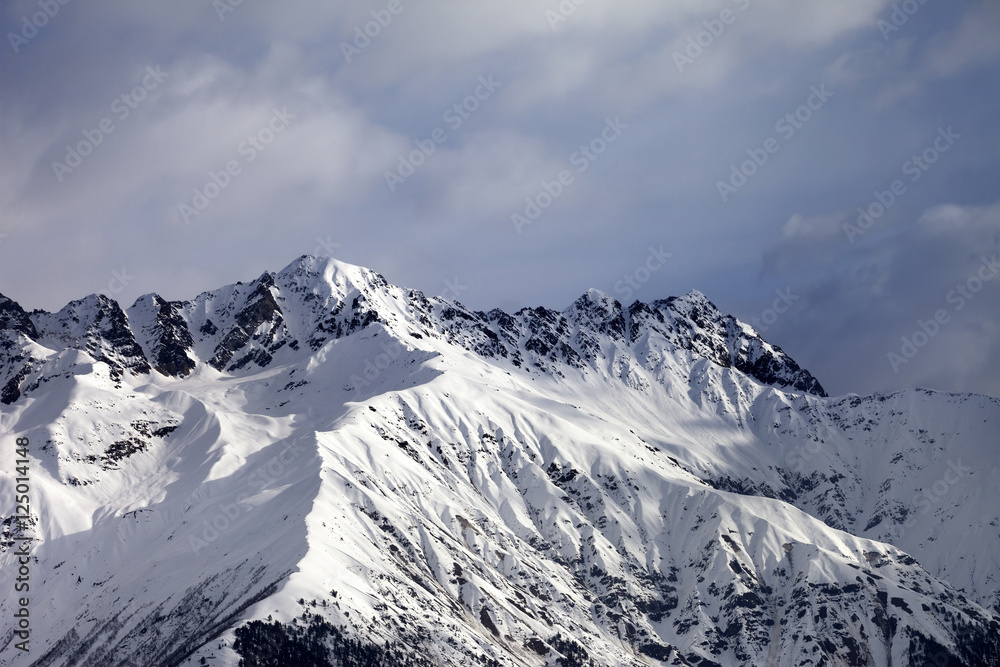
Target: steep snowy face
357,462
97,325
912,469
692,322
14,319
16,333
164,335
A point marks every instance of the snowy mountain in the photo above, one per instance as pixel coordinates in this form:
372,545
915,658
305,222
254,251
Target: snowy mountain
318,467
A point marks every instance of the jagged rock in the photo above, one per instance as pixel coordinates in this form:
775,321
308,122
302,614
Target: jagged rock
399,478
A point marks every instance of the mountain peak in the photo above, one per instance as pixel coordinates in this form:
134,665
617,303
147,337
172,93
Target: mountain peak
13,317
691,302
342,276
377,468
597,296
314,300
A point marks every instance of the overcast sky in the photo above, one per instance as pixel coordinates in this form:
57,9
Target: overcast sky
589,142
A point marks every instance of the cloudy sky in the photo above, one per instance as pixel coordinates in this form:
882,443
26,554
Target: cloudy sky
518,152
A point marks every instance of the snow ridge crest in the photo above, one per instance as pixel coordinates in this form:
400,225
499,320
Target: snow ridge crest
297,310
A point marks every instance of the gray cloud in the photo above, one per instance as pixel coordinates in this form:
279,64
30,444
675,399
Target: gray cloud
322,178
862,300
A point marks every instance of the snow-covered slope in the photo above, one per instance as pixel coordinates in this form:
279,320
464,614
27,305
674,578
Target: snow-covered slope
320,457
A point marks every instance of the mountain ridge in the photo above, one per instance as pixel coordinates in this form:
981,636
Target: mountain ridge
318,455
168,344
